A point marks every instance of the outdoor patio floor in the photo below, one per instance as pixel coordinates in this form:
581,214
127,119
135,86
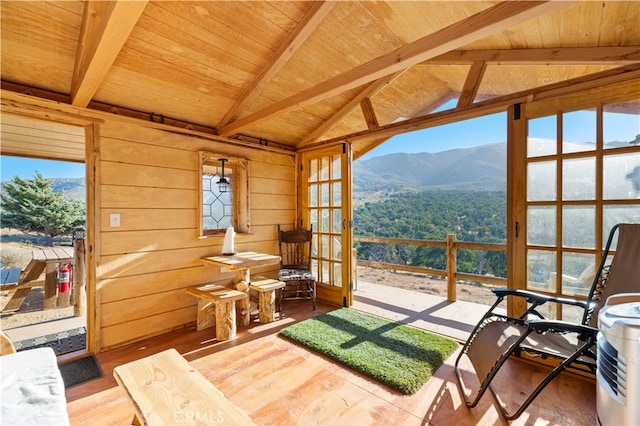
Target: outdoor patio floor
421,310
279,383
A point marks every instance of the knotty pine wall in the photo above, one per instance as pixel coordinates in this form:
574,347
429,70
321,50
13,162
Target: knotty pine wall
150,177
149,174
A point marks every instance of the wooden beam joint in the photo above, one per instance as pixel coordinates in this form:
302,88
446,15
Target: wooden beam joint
369,113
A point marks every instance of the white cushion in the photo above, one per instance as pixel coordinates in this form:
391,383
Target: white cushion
295,275
31,389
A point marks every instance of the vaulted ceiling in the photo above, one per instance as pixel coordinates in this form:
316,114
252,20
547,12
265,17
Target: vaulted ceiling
295,74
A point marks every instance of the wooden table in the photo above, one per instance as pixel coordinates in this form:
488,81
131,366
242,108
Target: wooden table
217,306
165,390
44,260
243,262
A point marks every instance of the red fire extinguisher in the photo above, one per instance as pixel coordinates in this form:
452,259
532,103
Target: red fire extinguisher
63,279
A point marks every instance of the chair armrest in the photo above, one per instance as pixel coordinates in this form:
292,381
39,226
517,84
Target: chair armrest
556,325
540,298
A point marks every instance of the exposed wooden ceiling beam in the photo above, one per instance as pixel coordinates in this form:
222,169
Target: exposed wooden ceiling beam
106,26
369,91
615,55
140,115
489,106
471,84
369,113
494,19
318,11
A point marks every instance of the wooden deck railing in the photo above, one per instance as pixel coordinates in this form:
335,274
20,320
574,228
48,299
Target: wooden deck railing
451,273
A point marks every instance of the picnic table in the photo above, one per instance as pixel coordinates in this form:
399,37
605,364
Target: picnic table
43,261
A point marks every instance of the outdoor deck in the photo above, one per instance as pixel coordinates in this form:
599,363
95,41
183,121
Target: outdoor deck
276,382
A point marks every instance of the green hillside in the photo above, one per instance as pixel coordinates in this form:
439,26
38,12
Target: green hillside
475,216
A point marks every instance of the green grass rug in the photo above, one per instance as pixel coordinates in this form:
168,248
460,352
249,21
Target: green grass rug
397,355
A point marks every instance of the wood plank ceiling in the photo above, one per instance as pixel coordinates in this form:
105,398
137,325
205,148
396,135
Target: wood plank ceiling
296,74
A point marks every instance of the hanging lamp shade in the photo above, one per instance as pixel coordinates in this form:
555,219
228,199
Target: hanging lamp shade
223,182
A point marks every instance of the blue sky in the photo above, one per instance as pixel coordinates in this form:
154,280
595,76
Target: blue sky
579,126
479,131
464,134
27,167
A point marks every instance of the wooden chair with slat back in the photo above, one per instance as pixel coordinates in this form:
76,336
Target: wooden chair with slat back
295,264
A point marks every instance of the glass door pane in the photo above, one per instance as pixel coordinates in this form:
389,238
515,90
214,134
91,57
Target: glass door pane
325,175
580,181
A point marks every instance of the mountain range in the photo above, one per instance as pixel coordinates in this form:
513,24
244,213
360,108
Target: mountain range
73,187
481,168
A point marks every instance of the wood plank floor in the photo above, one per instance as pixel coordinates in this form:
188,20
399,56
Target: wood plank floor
279,383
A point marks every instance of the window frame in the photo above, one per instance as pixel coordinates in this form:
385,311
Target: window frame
600,100
240,189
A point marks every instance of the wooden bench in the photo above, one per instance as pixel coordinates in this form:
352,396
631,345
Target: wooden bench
266,289
9,276
165,390
217,306
18,289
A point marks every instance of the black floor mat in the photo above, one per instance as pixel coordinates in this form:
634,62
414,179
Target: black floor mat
80,371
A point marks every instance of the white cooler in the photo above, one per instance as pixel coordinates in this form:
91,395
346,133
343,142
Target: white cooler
618,373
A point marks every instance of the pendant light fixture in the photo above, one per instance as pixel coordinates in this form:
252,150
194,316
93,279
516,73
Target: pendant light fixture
223,183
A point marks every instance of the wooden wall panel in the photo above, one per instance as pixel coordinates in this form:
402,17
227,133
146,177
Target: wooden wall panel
266,170
264,232
133,263
271,201
146,241
150,177
262,216
24,136
152,219
131,286
128,332
114,196
126,151
124,311
260,246
273,187
147,176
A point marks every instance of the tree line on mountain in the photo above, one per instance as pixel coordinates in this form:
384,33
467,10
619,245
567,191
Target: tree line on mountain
473,216
33,206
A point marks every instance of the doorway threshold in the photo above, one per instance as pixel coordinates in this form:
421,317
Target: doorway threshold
45,328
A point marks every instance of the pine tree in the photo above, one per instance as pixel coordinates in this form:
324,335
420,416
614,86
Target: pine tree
31,206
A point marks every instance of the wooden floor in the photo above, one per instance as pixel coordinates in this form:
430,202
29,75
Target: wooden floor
278,383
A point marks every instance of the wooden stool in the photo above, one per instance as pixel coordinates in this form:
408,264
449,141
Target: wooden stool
217,305
165,390
266,289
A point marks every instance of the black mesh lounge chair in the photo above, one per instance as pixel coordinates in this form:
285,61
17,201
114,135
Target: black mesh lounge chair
497,337
295,251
